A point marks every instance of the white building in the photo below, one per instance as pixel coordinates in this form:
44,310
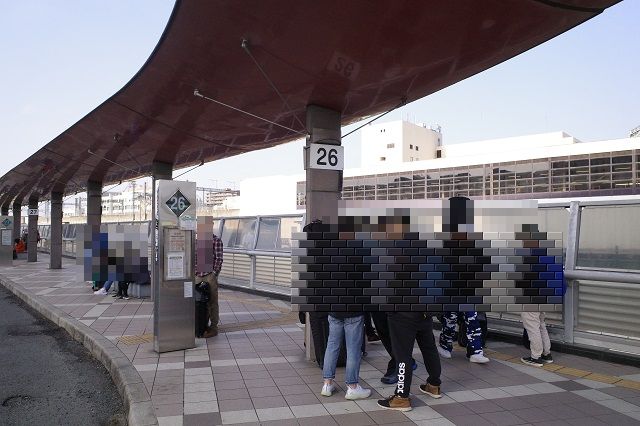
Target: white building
549,165
398,142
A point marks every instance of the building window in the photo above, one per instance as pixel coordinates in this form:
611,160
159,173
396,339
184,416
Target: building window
417,148
391,145
383,158
438,153
410,146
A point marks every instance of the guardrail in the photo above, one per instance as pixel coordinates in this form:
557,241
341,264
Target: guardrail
602,267
258,251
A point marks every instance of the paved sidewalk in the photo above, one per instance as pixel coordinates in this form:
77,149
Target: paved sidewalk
254,372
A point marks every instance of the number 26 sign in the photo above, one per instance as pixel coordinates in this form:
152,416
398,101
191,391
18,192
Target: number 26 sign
323,156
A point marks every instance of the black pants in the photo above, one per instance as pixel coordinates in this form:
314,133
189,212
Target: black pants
369,330
406,328
382,326
123,289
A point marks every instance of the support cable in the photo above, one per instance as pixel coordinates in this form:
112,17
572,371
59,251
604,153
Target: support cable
245,47
190,170
402,103
196,92
113,162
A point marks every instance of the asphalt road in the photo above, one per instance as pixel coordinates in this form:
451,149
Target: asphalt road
46,377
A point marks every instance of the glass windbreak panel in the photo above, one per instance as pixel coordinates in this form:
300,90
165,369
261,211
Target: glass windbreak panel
609,237
246,233
555,219
268,234
288,226
229,232
216,226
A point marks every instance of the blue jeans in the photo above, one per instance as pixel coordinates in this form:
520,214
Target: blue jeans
107,285
352,329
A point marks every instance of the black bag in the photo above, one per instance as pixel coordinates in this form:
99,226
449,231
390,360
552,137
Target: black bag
525,339
202,318
203,292
319,323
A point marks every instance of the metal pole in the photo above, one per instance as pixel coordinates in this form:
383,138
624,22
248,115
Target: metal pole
570,305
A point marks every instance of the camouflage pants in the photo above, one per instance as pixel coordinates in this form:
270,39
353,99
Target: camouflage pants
474,332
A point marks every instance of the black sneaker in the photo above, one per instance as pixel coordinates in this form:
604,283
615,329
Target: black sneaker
532,361
547,359
373,338
391,379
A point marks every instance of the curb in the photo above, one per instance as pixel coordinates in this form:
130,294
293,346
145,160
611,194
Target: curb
126,378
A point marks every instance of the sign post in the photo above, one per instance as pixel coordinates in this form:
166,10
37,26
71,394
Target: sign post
6,241
174,306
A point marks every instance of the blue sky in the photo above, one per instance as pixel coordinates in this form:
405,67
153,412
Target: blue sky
62,59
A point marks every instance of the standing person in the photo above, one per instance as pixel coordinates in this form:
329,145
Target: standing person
209,257
405,329
348,326
475,353
540,343
382,325
20,246
123,290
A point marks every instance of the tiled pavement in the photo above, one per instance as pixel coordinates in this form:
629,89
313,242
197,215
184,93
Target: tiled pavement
255,371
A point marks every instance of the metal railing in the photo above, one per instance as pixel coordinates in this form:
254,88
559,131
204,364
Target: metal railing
602,267
257,251
602,272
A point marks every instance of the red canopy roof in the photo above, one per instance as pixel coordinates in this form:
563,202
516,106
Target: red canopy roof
356,57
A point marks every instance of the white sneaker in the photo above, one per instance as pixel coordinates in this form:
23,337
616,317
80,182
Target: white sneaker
328,389
357,393
479,359
101,292
443,352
